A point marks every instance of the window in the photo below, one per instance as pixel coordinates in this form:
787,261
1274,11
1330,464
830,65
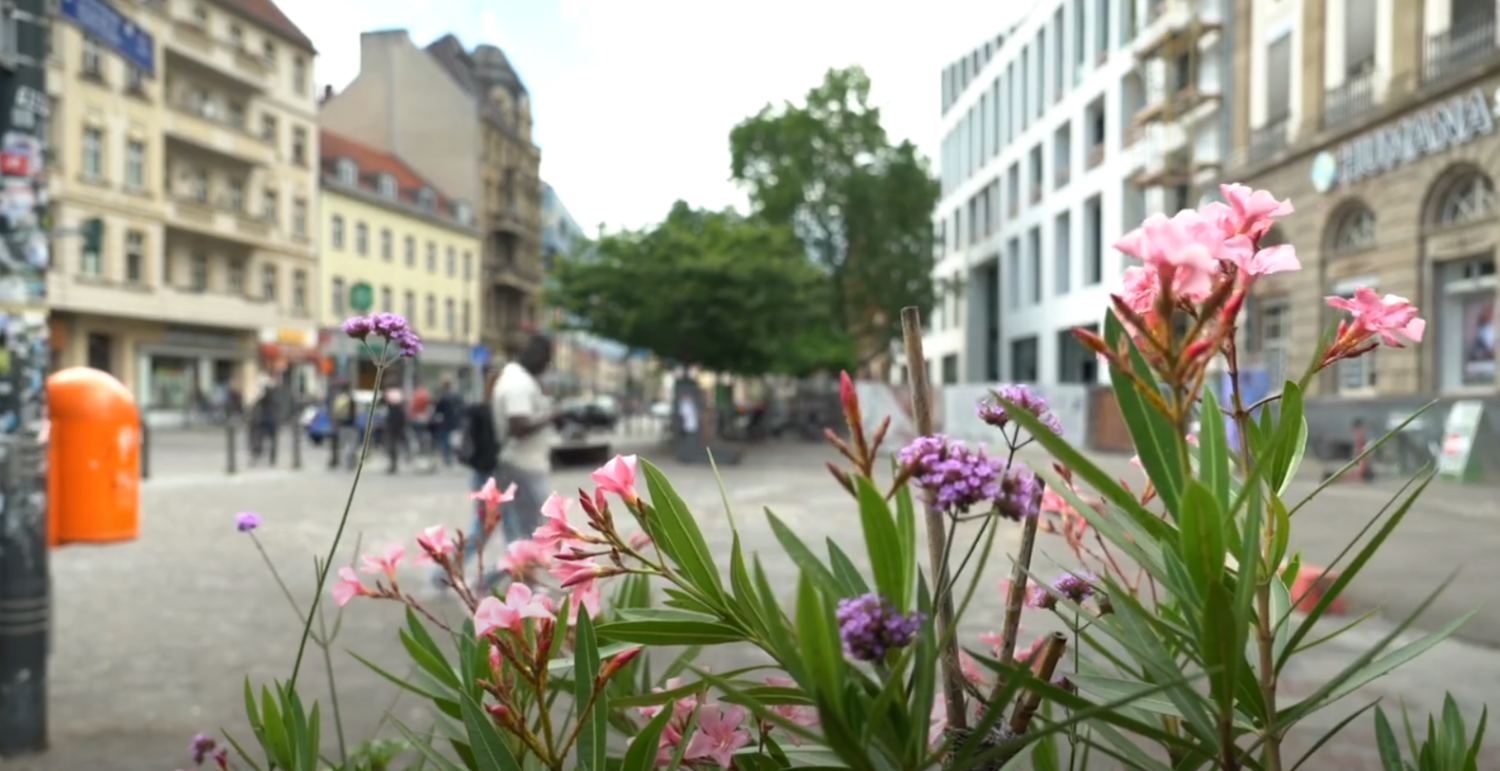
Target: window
468,265
1355,231
1075,362
1101,29
1279,79
268,282
135,80
336,232
1013,273
237,37
135,256
268,52
1274,337
90,263
93,153
450,317
385,244
1023,360
431,257
1035,164
270,206
431,312
336,301
1034,254
299,291
1097,124
1093,234
465,321
198,185
387,186
1062,155
299,218
198,273
385,299
950,369
1059,85
1359,38
299,146
93,62
200,15
450,262
299,75
1469,199
135,165
237,276
236,197
268,128
409,306
1062,245
411,252
361,239
348,172
1466,341
236,113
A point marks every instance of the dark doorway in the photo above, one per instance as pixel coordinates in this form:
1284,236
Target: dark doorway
101,353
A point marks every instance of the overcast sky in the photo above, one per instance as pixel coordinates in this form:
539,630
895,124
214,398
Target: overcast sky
634,99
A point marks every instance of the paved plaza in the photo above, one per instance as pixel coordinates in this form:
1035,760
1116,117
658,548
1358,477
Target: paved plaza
154,637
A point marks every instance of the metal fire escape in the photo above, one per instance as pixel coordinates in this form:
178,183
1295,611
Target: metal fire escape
1171,165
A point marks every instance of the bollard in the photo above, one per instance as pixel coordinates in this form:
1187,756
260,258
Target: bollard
229,445
145,450
296,445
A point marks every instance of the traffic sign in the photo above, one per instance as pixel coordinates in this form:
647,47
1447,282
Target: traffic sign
479,355
361,296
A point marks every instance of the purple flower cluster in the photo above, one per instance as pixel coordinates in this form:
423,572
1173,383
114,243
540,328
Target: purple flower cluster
870,626
1075,587
1020,493
204,747
246,521
956,477
389,326
992,412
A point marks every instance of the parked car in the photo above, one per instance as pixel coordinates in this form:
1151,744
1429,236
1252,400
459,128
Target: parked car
319,427
588,414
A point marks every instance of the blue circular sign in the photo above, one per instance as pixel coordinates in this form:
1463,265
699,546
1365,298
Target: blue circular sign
1325,172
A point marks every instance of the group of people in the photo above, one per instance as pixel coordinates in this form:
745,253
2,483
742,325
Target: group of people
420,427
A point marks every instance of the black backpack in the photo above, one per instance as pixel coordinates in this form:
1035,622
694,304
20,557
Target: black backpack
474,443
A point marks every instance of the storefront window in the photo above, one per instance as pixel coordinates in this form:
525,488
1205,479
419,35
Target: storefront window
171,382
1466,352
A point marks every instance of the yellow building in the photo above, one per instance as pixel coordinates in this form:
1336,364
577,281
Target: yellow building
199,156
392,242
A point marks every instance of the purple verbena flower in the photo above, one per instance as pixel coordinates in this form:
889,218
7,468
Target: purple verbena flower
246,521
954,476
1020,494
992,412
1076,588
202,745
389,326
870,626
357,327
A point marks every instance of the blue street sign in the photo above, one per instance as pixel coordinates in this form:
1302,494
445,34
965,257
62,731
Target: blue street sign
100,19
479,355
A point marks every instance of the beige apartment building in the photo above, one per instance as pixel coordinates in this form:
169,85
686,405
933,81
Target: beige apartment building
204,174
463,120
1378,119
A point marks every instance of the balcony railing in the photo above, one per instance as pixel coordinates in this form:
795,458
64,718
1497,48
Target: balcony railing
1268,140
1468,41
1354,98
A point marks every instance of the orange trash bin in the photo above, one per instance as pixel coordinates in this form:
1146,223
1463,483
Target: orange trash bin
94,466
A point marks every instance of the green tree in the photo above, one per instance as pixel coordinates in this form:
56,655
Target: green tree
714,289
861,205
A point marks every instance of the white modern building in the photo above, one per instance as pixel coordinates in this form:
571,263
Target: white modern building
1059,136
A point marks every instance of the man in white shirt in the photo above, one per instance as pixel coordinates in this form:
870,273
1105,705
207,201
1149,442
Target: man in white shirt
523,422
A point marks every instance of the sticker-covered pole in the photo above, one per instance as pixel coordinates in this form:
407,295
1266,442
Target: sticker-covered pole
25,583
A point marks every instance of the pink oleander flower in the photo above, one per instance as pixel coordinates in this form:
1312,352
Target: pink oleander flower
385,562
519,604
1253,211
970,668
556,528
800,714
720,732
581,573
492,495
1188,247
1272,259
495,659
618,477
994,639
638,540
434,542
682,707
521,557
1139,289
349,586
587,596
1373,315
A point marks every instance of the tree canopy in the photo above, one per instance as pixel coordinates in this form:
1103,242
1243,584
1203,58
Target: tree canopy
713,289
861,205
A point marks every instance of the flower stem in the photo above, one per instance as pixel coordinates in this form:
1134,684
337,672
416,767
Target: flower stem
276,575
1014,602
338,535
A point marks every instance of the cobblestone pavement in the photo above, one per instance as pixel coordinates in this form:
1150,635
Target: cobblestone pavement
155,637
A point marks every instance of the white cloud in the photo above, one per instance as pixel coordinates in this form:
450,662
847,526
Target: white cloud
638,113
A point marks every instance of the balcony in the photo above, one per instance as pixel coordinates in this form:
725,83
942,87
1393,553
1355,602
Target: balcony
507,220
514,273
69,291
1346,102
1160,156
1188,103
220,221
201,126
1269,140
1466,43
192,44
1171,24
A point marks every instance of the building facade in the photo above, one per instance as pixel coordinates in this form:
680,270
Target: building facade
202,170
1377,118
406,101
391,241
1061,135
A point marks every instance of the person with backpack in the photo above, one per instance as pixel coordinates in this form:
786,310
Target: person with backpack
446,416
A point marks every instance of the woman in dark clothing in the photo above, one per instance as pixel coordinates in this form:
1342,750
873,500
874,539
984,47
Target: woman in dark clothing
395,426
265,418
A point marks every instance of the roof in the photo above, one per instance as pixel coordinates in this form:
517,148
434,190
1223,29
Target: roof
478,70
266,12
372,164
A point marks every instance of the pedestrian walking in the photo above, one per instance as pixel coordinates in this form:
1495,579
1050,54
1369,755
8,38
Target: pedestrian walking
265,421
395,426
476,444
524,418
447,413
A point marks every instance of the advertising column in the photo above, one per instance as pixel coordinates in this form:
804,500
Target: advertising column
25,596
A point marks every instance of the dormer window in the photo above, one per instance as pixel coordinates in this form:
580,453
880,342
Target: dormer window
387,185
426,199
348,172
463,213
